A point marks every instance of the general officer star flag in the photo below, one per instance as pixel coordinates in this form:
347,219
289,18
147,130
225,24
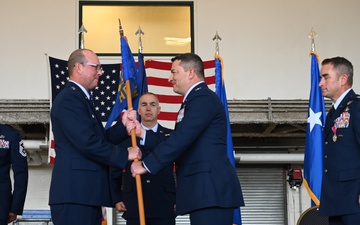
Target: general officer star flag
313,161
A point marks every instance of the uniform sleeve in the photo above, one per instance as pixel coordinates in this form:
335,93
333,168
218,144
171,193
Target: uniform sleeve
20,169
115,184
199,113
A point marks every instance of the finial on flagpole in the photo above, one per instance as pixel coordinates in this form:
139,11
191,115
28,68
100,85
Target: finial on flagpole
81,31
312,35
121,31
217,38
139,33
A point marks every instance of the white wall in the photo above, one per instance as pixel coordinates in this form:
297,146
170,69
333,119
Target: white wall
264,45
29,30
38,187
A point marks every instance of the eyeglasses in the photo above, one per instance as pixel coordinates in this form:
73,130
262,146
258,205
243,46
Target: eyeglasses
97,66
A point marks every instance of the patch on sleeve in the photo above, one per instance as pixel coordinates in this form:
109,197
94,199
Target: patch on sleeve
22,149
180,115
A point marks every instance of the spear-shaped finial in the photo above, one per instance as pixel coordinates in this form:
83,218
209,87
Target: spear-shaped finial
121,31
139,33
312,35
217,38
81,31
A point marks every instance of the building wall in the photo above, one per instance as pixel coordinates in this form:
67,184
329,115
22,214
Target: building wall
38,186
264,43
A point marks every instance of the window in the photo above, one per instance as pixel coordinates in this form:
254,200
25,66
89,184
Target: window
167,27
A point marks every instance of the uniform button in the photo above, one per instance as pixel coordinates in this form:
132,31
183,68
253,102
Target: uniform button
325,170
326,142
325,156
148,181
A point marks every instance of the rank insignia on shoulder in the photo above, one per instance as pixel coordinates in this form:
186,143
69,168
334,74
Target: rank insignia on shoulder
197,88
73,88
166,135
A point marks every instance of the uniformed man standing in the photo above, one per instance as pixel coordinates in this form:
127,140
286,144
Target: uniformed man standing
340,193
12,155
158,190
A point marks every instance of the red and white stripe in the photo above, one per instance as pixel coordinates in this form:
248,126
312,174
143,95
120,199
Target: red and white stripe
157,73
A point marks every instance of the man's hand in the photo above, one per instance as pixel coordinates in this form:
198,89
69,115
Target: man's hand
128,115
134,153
12,217
120,207
137,168
139,131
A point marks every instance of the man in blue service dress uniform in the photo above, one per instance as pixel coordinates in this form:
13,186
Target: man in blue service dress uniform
80,182
340,193
12,155
207,186
158,190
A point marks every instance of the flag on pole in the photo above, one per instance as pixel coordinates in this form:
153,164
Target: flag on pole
313,158
141,75
141,78
157,73
105,95
129,72
221,92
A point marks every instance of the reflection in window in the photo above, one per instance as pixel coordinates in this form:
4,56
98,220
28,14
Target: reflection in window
168,26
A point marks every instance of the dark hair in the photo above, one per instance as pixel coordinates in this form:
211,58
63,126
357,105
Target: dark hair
76,56
342,66
191,61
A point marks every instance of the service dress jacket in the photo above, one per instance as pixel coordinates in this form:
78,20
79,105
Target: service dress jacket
341,175
84,153
158,190
205,177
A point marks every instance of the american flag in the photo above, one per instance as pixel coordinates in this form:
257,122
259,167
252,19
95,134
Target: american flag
157,73
104,94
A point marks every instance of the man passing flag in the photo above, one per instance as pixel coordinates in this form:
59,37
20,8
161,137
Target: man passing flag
313,161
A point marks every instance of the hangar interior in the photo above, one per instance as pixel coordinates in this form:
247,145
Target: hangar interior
258,126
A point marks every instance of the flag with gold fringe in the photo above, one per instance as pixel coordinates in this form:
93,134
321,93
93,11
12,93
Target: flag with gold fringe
313,158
